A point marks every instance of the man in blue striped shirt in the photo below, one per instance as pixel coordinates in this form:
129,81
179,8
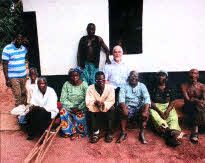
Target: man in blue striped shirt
13,57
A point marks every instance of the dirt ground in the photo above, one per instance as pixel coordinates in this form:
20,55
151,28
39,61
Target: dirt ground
15,147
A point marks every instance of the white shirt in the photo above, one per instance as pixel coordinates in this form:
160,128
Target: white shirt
116,73
47,101
30,88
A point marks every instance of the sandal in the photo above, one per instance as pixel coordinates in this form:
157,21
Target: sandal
108,138
122,137
194,138
94,139
142,138
74,136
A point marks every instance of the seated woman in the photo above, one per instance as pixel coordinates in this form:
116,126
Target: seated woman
73,112
162,112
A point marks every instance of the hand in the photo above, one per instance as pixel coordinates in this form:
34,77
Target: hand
201,103
162,115
8,84
108,61
75,109
166,115
145,114
81,68
99,105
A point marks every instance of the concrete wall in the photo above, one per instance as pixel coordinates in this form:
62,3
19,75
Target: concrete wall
173,33
60,26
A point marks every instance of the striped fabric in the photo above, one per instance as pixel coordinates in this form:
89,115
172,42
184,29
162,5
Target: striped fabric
16,58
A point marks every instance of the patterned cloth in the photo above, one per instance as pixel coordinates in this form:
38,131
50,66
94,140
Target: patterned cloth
134,97
88,74
171,121
108,97
16,60
73,123
162,97
72,96
116,74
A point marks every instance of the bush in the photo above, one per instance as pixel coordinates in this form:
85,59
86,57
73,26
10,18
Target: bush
11,21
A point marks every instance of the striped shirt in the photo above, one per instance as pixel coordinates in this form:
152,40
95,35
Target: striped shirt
16,60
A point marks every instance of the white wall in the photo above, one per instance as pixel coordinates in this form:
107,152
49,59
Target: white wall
173,33
60,26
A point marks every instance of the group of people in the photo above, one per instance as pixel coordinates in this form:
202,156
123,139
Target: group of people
94,94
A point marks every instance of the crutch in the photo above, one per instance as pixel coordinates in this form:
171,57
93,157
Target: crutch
40,147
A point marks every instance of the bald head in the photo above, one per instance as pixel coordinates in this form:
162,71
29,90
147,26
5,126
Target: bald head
117,47
91,29
117,53
193,75
194,70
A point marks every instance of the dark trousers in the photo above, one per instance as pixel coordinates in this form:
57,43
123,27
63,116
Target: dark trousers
38,121
101,117
117,91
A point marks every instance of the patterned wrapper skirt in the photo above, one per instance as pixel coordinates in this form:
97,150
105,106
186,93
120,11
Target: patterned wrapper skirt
73,123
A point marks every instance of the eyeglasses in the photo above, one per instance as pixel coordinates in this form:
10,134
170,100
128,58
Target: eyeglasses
103,80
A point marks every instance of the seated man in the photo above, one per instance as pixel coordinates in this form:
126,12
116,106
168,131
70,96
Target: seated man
43,109
194,99
100,98
134,102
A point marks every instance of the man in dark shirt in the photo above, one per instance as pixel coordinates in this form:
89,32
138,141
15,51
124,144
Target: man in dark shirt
89,54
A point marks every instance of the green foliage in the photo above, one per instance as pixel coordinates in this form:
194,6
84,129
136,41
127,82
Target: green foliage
11,22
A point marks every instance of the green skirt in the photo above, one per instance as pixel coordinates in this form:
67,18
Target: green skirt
171,121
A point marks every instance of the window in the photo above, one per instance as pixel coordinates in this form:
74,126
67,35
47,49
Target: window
125,19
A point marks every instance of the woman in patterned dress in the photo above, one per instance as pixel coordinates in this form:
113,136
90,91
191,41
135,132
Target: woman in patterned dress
73,112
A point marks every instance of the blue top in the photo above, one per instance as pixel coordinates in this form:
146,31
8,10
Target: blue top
16,60
134,97
116,73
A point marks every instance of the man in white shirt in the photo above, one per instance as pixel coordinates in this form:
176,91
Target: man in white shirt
117,72
44,108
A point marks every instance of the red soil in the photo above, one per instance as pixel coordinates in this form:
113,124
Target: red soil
15,147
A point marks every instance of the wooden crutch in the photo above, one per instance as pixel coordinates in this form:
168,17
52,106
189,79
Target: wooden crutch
50,141
40,147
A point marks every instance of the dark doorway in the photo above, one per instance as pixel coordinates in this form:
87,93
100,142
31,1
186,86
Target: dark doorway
30,30
125,19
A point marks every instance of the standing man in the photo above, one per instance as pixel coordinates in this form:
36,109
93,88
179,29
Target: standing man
194,99
134,103
117,72
89,54
13,57
100,98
